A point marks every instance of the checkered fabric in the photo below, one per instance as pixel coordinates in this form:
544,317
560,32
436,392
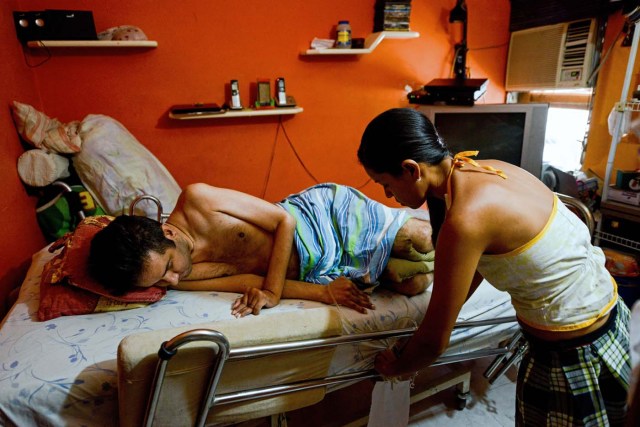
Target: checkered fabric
580,382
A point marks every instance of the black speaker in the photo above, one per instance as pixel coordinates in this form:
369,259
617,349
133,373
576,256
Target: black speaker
30,25
53,24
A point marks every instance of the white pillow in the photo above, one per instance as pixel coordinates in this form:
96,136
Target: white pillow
116,169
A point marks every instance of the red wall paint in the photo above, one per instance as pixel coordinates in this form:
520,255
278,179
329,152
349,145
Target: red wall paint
20,233
203,45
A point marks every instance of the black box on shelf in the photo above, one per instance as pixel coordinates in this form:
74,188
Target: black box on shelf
449,92
54,24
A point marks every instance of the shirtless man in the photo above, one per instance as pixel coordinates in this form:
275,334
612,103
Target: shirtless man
221,239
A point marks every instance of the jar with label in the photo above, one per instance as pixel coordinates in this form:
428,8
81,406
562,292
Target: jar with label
343,39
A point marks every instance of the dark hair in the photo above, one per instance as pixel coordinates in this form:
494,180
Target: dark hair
119,251
399,134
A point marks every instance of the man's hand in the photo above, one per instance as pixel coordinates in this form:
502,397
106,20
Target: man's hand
344,292
251,302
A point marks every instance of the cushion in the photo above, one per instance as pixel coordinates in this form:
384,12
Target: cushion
39,168
31,124
66,287
43,132
116,169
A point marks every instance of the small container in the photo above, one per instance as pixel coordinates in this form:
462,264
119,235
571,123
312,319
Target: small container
343,35
636,94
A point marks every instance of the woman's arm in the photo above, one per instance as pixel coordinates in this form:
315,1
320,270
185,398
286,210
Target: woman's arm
457,253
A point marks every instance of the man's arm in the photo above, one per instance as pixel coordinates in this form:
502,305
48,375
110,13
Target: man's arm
341,291
200,200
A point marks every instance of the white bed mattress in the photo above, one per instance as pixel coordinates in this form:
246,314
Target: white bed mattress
63,371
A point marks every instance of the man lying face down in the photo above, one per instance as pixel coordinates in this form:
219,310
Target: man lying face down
323,244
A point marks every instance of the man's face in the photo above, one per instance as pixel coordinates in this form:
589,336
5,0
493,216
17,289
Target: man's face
166,269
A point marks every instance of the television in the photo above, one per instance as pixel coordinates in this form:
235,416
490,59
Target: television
513,133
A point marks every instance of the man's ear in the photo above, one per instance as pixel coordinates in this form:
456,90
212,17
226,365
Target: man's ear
412,168
169,233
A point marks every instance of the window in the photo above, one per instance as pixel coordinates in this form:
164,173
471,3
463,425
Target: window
567,124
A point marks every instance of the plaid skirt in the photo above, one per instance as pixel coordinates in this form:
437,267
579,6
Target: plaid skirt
579,382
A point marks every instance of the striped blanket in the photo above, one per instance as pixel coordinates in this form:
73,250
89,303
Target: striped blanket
341,232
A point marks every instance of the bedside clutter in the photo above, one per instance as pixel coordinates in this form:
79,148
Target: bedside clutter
624,268
627,188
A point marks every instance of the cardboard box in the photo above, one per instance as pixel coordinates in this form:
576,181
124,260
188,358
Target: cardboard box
624,196
628,180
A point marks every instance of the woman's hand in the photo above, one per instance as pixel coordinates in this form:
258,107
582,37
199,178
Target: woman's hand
386,363
344,292
253,300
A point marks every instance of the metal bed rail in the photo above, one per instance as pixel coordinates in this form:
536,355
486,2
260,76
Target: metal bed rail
161,216
169,348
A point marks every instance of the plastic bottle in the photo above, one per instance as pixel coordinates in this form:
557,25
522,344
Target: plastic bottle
343,39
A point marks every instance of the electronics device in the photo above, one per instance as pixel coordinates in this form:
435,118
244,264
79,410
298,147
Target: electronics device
263,94
559,181
281,95
54,24
552,56
449,92
234,103
197,109
30,25
514,133
282,99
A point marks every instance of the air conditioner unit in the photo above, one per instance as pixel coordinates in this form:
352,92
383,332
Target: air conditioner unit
552,57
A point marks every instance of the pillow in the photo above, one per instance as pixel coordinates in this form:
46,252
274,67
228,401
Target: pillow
39,168
46,133
31,124
116,169
66,287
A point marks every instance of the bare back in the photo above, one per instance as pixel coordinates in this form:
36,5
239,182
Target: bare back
509,212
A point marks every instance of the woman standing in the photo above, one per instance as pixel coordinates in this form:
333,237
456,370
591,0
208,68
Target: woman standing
504,225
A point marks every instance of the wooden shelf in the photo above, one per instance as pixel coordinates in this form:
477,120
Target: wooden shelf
247,112
370,43
91,43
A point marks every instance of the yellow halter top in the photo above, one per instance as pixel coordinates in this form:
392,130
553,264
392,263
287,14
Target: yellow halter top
460,160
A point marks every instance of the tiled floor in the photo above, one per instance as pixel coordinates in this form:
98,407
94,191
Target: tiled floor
489,405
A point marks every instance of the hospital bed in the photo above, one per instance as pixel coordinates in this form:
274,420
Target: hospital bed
104,369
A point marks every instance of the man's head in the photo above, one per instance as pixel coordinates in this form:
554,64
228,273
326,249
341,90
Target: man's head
121,252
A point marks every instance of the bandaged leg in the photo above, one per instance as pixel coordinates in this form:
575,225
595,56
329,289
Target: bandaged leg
398,269
408,277
413,241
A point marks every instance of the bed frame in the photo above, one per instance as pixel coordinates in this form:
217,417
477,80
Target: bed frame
210,399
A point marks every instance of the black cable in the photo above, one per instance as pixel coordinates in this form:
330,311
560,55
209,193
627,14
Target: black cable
273,155
302,163
26,60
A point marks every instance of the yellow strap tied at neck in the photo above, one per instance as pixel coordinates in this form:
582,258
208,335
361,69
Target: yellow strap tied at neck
459,160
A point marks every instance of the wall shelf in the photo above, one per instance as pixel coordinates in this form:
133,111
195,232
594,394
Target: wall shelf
370,43
247,112
40,44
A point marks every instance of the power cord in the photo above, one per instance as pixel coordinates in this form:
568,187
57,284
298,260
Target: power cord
295,152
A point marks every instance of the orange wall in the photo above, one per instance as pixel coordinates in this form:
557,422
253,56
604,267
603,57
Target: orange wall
20,233
203,45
